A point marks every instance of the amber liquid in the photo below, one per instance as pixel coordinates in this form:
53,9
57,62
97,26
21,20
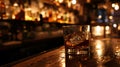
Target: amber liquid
80,51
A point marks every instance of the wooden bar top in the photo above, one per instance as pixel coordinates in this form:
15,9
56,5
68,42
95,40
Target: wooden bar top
58,58
54,58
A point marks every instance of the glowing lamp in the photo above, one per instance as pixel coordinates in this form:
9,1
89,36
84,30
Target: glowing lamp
98,31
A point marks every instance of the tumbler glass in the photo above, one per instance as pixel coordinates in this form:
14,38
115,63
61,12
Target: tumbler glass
76,41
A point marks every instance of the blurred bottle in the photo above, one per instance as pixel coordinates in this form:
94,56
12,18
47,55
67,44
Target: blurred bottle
5,28
19,34
10,36
31,33
25,32
21,14
41,19
2,9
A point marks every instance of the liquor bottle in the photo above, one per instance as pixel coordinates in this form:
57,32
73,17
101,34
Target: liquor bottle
31,33
19,36
10,36
2,9
25,32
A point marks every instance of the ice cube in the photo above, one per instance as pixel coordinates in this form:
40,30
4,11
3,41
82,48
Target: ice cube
77,38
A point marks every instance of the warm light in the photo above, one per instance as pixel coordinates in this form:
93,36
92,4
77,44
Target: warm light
13,16
88,1
6,6
88,29
70,57
114,25
41,5
113,5
116,48
98,31
116,7
100,16
110,17
99,49
60,1
28,14
28,18
69,4
99,53
104,6
62,58
34,7
73,1
28,9
98,46
15,4
119,27
107,30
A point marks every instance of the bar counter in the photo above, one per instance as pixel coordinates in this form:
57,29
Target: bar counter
59,58
11,51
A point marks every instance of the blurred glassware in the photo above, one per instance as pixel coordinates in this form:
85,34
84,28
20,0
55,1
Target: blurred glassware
76,40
